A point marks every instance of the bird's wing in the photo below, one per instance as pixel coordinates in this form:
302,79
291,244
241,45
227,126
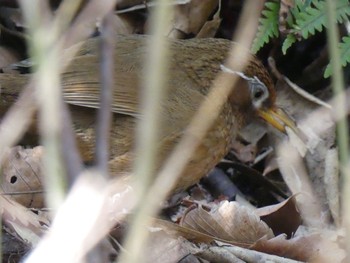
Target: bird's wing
81,86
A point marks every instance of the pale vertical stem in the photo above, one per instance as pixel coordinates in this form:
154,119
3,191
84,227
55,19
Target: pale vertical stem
337,81
156,70
340,109
48,95
64,15
147,135
45,32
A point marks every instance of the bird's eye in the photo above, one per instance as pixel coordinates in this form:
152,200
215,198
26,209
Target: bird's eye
259,92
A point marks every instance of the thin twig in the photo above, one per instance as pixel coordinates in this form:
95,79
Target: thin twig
71,157
104,114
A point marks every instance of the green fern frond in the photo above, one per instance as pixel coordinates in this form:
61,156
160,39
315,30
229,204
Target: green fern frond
314,19
288,42
344,47
295,13
268,27
311,20
297,10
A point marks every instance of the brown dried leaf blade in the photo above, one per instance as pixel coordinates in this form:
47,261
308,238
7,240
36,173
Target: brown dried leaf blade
228,221
22,176
283,218
317,247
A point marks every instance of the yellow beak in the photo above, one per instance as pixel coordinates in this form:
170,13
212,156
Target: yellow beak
277,118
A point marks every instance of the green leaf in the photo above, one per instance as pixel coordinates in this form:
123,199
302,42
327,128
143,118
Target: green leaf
344,47
268,27
314,18
296,11
311,20
288,42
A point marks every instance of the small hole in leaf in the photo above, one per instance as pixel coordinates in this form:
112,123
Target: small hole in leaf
13,179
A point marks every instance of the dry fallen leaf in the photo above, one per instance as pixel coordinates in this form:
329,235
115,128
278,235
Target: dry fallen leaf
164,247
23,223
210,28
228,221
317,247
283,218
168,242
22,176
190,18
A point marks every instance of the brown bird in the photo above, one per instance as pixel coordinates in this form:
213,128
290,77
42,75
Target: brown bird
193,66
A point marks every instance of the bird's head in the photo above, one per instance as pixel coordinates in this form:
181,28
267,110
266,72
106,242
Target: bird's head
255,96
